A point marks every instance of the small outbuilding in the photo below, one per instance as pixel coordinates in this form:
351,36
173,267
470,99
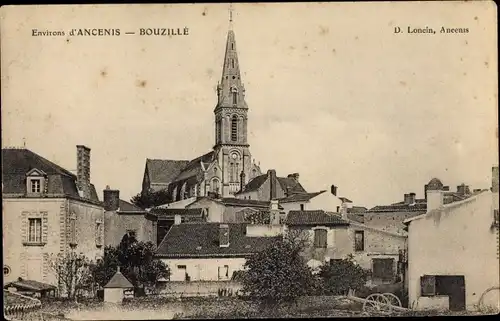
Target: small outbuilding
117,288
32,288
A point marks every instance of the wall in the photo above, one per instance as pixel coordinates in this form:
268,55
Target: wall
215,210
30,261
254,230
338,243
87,217
202,269
179,204
116,225
294,206
198,288
325,201
459,241
389,221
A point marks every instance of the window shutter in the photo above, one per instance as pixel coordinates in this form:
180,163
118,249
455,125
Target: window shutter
45,226
24,226
428,285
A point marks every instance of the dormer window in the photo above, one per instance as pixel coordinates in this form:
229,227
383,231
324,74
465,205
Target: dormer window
35,185
35,182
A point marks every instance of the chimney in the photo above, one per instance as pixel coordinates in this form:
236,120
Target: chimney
224,235
407,198
333,190
434,199
274,212
242,181
411,198
177,219
111,199
343,211
463,189
446,188
83,167
294,176
272,182
494,179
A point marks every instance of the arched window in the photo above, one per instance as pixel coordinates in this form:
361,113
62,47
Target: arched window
215,186
234,128
320,238
232,63
218,133
235,97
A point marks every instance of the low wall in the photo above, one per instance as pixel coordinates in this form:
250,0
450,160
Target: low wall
199,288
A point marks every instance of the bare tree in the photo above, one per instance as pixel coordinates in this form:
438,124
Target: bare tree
72,271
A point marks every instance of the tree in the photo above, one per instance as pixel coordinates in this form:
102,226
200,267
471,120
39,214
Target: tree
258,217
73,273
338,276
279,273
151,198
136,260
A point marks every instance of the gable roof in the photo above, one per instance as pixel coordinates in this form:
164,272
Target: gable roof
202,240
315,217
299,197
126,207
286,183
254,184
171,212
119,281
16,163
164,171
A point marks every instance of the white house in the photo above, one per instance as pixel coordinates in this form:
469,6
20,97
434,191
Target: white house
453,252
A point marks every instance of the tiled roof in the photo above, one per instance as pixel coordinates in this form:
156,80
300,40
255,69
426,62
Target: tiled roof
202,240
171,212
30,285
291,184
119,281
357,209
17,162
299,197
193,168
255,183
164,170
356,217
15,303
125,206
231,201
420,205
314,217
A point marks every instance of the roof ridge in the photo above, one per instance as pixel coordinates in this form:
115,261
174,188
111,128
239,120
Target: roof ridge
53,164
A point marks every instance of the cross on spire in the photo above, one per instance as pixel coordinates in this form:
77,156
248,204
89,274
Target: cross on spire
230,13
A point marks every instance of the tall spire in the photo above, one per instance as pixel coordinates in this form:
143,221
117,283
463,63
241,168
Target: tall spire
231,90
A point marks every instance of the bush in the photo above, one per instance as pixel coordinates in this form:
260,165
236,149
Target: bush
338,276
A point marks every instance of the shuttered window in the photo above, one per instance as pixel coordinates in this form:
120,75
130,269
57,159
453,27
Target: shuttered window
320,238
359,241
428,285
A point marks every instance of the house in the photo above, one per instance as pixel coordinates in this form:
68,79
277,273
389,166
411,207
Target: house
164,218
122,217
204,256
453,251
336,236
47,210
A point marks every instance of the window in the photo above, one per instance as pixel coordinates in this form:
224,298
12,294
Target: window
232,63
234,128
359,241
320,238
6,270
218,131
72,224
224,272
383,269
232,45
301,207
35,230
428,285
338,209
235,97
98,236
35,185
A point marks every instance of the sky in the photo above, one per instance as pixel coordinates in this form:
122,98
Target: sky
333,93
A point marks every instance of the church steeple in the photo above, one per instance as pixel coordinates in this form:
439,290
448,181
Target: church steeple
230,90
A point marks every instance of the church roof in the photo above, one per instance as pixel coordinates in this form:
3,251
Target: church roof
164,170
193,168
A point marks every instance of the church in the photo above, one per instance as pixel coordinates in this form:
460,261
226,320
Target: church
228,168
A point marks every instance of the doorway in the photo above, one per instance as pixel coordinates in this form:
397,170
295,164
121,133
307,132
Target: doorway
454,287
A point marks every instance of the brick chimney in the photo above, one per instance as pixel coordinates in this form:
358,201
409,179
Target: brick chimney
224,235
435,199
333,190
410,198
111,199
463,189
294,176
83,168
494,179
272,183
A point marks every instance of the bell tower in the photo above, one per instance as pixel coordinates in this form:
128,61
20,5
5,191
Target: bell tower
231,143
